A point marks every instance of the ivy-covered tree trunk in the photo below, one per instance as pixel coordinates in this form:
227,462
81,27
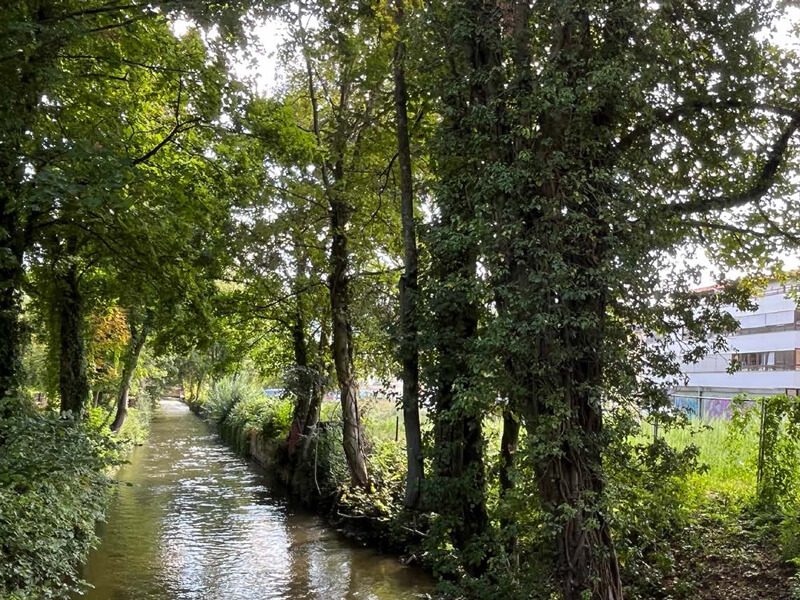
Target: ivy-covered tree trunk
24,74
460,490
315,377
134,350
317,392
458,433
508,450
571,486
458,437
73,379
570,473
461,474
409,288
549,243
308,384
13,228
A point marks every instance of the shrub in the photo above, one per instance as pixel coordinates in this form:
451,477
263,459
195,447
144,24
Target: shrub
270,416
777,461
227,393
238,405
322,471
650,501
53,489
277,420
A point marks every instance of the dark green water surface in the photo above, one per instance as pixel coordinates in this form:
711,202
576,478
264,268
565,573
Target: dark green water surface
193,521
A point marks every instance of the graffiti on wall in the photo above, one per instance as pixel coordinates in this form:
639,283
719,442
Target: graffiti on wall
708,408
717,408
688,404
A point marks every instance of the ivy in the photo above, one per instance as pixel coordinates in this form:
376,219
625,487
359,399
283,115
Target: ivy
53,490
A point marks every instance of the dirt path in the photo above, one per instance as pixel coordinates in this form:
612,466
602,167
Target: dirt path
734,560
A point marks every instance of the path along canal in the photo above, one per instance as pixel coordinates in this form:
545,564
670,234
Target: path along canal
191,520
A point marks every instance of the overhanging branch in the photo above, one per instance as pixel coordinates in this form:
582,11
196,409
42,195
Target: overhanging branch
763,182
176,130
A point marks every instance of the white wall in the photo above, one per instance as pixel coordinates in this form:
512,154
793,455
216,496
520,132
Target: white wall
773,309
760,342
747,379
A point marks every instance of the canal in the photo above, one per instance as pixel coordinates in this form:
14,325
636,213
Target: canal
191,520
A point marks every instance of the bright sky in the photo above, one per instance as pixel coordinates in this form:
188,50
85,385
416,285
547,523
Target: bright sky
258,64
262,67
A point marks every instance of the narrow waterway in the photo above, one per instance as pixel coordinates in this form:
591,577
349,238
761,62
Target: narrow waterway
191,520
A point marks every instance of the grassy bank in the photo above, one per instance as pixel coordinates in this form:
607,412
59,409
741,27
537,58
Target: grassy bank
55,482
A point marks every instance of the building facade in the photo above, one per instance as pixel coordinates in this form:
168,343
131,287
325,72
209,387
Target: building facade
766,349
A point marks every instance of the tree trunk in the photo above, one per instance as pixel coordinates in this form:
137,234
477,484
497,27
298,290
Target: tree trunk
409,288
571,487
458,434
26,75
460,491
352,434
461,483
308,384
73,379
508,449
135,345
332,174
459,466
10,330
318,385
200,379
302,381
317,393
557,373
14,234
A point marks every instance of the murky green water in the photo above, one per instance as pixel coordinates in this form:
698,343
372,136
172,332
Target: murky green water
193,521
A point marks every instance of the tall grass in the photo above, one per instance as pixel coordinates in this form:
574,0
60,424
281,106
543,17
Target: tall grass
239,407
728,457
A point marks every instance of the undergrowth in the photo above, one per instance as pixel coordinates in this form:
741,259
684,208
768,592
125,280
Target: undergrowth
239,407
54,479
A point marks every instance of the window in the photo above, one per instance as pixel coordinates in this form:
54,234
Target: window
770,360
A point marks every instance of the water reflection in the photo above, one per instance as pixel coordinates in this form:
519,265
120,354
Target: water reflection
192,521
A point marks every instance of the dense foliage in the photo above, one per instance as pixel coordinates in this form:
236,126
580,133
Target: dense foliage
54,479
473,207
238,406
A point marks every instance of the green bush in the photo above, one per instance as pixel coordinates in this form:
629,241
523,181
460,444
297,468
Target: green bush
239,406
776,421
53,489
322,471
271,416
227,393
650,501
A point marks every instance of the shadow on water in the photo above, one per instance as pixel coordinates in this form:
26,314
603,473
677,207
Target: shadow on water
191,520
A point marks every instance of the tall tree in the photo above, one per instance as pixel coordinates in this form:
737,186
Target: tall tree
610,155
60,57
139,329
345,62
459,403
409,287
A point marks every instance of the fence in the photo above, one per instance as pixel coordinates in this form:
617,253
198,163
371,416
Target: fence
704,407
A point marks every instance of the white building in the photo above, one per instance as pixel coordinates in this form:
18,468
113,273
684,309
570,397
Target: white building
767,348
